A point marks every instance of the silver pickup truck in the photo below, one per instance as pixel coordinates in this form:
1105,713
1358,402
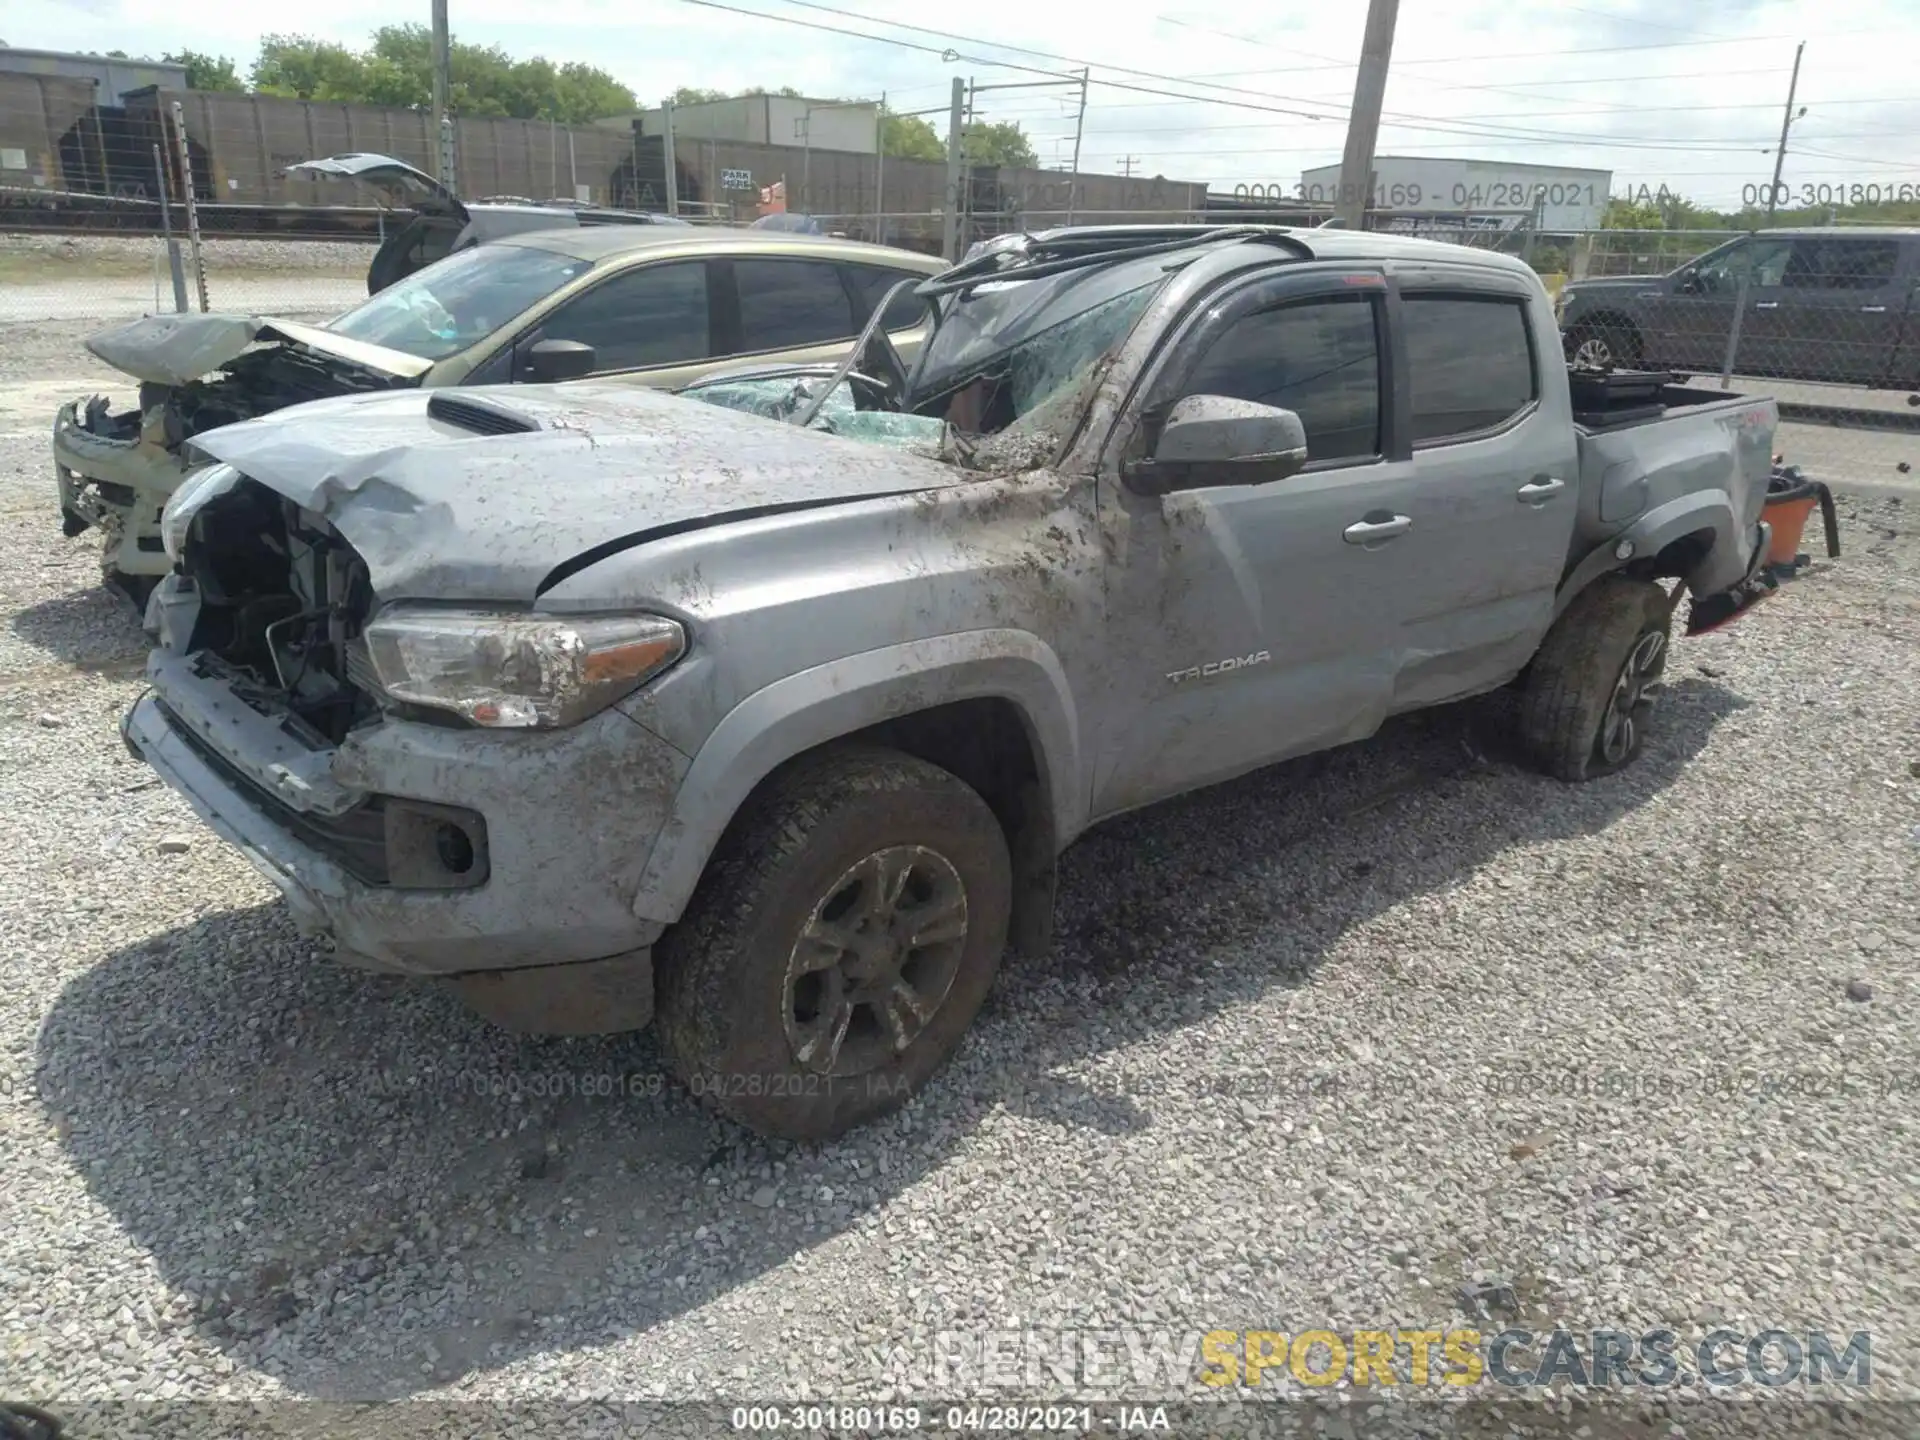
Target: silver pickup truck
610,705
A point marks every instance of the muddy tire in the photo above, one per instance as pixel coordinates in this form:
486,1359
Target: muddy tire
842,939
1597,344
1589,691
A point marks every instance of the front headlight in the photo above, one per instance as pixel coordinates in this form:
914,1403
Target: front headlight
513,671
193,492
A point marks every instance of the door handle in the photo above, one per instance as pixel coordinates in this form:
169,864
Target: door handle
1369,532
1766,304
1536,491
1873,309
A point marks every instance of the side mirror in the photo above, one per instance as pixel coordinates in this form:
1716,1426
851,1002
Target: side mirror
1214,440
552,360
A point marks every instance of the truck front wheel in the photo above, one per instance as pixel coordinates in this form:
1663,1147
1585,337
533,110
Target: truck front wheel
841,941
1590,690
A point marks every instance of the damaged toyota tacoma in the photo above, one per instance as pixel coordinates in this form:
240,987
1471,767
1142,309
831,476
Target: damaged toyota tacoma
613,707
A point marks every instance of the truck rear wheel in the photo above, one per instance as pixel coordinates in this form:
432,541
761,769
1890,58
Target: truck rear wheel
841,941
1590,690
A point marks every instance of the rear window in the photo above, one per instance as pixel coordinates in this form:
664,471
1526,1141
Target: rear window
1469,364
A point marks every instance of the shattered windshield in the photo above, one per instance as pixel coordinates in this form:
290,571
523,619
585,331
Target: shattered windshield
459,301
1010,350
783,397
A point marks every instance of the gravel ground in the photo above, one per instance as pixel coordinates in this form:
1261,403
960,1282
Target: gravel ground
1318,1048
105,278
84,251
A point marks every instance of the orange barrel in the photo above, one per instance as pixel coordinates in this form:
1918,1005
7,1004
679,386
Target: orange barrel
1790,500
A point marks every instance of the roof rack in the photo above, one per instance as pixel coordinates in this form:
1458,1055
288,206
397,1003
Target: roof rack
1049,252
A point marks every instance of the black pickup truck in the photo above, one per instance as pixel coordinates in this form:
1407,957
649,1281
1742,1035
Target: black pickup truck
1837,304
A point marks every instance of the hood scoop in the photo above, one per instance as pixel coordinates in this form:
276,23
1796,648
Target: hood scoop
482,417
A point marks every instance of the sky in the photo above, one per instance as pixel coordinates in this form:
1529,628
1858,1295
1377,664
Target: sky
1689,97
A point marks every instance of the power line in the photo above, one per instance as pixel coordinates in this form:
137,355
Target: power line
1856,159
1518,54
1398,120
1637,20
1597,80
1541,115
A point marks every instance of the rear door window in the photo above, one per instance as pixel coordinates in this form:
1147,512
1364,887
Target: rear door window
1842,264
1470,365
791,304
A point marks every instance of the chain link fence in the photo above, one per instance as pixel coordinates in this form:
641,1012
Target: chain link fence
1827,323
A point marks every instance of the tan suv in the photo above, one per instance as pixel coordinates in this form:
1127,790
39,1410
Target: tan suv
653,306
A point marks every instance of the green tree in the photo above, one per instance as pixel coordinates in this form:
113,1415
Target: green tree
303,68
397,70
1662,209
1002,144
911,137
207,72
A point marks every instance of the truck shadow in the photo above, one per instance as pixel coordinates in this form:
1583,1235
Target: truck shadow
367,1191
94,629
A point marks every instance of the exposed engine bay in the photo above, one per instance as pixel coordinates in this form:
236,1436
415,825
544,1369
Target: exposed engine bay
282,600
255,383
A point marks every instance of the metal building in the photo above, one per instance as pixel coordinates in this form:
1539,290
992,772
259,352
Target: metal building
844,125
1412,191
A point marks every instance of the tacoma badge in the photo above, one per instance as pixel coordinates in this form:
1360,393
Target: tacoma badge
1220,667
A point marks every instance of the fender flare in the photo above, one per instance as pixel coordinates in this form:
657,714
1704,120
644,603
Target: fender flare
803,711
1709,510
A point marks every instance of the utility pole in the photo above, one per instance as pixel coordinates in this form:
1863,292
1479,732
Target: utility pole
950,212
442,84
1079,127
1125,167
669,162
1786,123
1363,122
879,168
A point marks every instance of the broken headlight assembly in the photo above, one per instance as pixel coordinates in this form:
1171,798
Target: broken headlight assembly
518,671
185,502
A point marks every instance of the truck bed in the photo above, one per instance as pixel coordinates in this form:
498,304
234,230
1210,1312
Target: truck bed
1703,452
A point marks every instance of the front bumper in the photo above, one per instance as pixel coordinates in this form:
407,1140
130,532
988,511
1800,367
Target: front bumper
116,486
570,817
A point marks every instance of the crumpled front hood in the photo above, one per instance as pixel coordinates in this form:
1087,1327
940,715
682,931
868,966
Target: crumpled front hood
178,349
439,512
